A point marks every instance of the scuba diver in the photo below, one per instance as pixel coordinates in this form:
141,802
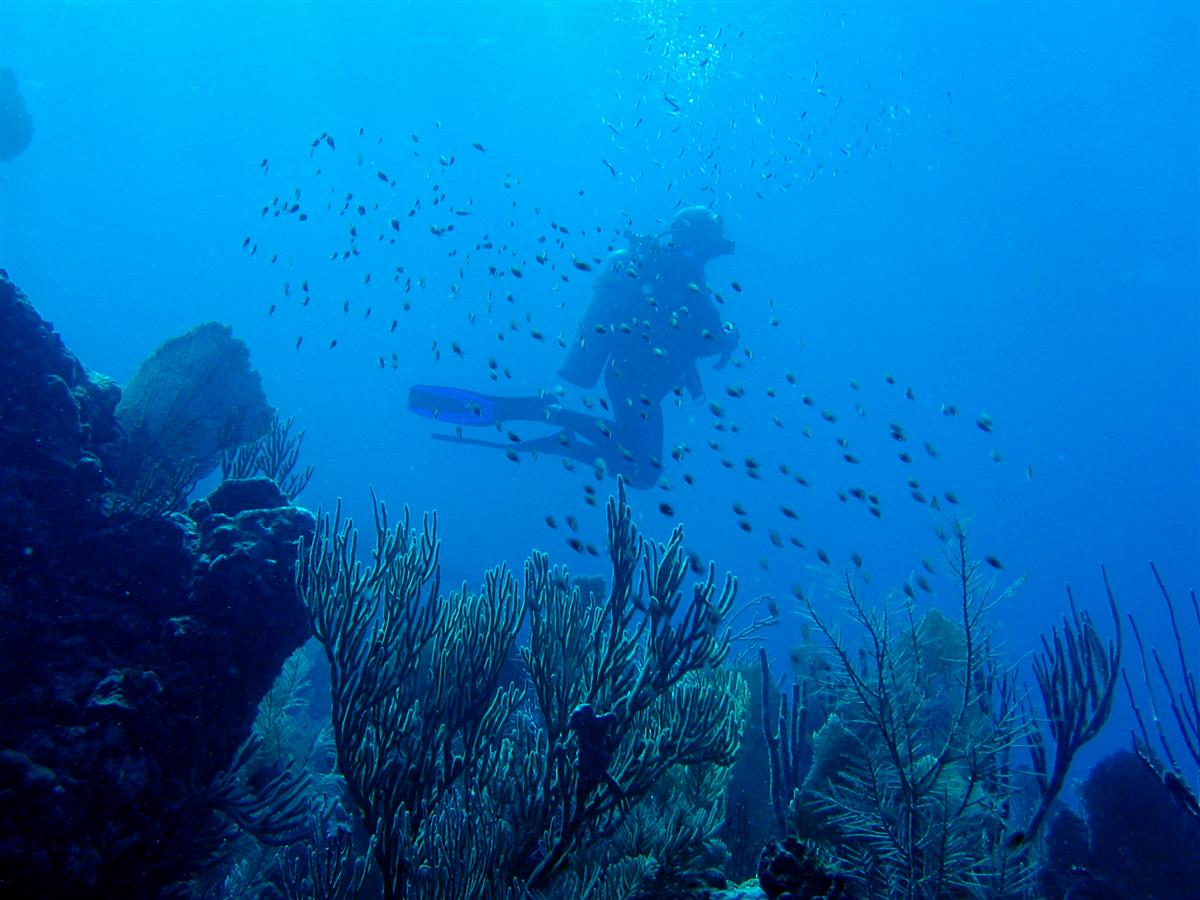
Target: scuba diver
650,321
16,125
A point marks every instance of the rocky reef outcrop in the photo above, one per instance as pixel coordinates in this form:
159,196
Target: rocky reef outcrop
134,644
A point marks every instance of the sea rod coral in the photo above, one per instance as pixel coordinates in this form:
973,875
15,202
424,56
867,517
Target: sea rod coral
482,771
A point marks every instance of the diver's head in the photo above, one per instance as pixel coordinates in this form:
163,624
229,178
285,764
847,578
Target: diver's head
699,230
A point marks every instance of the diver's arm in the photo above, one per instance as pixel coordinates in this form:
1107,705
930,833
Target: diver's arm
692,383
718,338
727,343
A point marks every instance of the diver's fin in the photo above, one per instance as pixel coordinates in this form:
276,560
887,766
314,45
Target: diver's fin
457,406
550,443
474,442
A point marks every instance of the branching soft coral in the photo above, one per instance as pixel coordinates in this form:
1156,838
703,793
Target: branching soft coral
910,781
473,785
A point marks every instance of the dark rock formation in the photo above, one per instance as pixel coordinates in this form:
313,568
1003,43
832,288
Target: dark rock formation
134,648
1135,840
794,870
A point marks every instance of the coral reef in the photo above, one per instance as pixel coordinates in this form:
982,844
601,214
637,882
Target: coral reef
1134,841
133,648
795,869
274,455
544,736
1077,675
1171,757
910,782
558,782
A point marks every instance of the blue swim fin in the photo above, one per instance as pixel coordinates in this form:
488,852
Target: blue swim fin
457,406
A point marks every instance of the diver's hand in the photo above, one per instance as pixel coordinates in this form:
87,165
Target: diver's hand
728,344
693,385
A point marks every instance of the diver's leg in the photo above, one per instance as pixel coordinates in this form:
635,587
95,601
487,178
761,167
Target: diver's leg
629,445
592,441
593,429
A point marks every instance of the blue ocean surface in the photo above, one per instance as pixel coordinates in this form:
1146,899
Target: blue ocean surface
966,279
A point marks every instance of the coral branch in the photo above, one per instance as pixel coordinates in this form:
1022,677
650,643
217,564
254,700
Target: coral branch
1076,675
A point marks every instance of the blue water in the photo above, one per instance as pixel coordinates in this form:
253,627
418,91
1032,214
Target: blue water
996,204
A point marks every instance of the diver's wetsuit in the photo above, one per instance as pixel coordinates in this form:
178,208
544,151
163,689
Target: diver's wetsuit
650,320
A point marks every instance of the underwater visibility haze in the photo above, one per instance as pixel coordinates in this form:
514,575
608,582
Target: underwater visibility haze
943,362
